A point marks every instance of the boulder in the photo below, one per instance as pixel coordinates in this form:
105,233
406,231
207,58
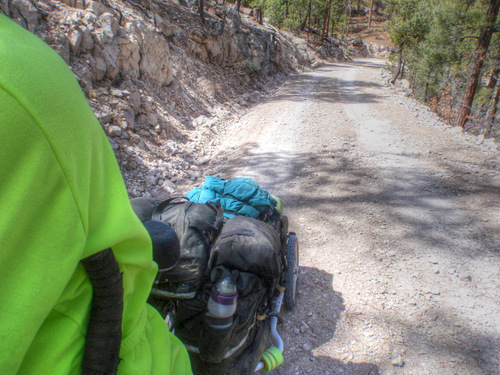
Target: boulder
155,61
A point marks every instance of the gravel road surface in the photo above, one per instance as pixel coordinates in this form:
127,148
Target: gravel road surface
398,221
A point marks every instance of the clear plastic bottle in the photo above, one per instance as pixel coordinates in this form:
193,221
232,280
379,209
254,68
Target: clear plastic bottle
222,303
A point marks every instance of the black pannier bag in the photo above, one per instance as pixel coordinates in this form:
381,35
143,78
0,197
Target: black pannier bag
144,207
248,245
248,251
196,225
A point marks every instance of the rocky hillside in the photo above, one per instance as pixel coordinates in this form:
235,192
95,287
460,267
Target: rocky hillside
162,83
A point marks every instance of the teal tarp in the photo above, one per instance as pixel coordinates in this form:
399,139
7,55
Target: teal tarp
240,196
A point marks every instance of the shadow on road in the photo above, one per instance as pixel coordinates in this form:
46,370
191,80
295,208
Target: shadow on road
315,86
365,192
336,187
312,325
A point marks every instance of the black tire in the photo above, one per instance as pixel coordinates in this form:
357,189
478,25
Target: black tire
292,271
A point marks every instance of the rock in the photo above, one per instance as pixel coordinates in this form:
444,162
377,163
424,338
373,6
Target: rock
166,29
155,61
152,119
122,123
75,41
115,131
117,92
204,161
487,357
398,361
139,160
97,7
114,145
201,120
105,118
457,130
129,116
433,316
106,56
87,43
206,86
136,138
63,51
434,291
98,67
433,259
129,150
153,178
129,52
307,347
134,99
107,28
25,14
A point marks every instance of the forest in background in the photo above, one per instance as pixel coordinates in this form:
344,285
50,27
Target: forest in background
448,50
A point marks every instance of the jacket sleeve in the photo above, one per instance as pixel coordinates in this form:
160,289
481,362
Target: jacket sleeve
41,233
62,198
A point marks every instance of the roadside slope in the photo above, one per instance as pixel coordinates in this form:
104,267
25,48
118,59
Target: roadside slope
161,82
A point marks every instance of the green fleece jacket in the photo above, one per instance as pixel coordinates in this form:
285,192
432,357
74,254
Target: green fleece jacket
62,198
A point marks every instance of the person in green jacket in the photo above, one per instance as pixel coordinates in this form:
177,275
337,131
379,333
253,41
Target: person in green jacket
63,199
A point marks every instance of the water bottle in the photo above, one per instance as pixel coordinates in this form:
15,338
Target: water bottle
222,304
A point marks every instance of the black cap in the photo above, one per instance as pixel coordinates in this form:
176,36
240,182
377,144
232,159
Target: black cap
166,246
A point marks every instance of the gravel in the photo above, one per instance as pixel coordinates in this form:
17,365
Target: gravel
398,220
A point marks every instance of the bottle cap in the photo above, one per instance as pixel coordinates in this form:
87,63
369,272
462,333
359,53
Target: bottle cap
226,287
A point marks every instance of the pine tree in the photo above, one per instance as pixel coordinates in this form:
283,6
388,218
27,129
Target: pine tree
478,58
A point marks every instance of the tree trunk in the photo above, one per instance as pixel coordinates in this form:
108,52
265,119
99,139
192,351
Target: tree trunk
238,4
258,15
309,17
201,10
349,4
478,57
332,25
399,67
371,13
326,22
492,111
493,76
303,25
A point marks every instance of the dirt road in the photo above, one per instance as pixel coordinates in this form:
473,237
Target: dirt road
398,220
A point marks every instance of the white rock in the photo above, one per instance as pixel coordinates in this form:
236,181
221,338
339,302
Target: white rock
398,361
307,347
115,131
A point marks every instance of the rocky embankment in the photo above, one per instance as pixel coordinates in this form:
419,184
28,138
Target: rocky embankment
162,83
